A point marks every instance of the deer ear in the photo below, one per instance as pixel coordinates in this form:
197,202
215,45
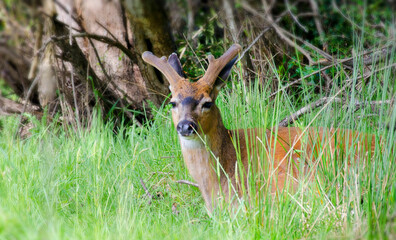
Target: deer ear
174,61
223,75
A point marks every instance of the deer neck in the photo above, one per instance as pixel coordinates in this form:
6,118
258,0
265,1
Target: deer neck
201,155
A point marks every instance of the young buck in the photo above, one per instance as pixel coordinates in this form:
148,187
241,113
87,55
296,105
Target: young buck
208,145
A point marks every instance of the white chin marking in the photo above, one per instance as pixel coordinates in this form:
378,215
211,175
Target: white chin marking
191,142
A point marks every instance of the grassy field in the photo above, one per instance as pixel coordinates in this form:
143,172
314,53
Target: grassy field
60,183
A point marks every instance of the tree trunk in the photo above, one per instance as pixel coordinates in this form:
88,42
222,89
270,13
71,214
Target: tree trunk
91,51
151,31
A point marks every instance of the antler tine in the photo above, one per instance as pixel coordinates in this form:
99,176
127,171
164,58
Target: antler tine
216,65
163,66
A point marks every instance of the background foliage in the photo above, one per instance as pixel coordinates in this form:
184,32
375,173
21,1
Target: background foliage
78,171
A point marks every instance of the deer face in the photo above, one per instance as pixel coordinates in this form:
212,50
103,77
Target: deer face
193,103
192,108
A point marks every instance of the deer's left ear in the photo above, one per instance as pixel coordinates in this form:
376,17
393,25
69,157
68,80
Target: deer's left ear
174,61
223,75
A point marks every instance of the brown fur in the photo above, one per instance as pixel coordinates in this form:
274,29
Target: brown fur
288,154
284,147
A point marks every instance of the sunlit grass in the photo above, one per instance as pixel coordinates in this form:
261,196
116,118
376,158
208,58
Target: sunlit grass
62,184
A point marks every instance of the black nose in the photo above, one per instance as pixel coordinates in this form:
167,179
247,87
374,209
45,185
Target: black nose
186,128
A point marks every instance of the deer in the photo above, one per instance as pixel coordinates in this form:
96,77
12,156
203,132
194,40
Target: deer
207,145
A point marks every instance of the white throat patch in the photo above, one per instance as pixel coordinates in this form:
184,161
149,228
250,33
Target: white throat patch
191,143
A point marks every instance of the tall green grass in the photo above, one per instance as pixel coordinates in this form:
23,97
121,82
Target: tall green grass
60,183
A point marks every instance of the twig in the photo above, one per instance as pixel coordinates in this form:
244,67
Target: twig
291,42
306,14
294,17
162,173
193,51
63,7
147,191
187,182
87,98
313,47
203,27
267,7
191,10
278,30
70,30
108,31
378,55
322,69
315,9
34,83
360,104
110,82
8,106
35,61
77,112
293,117
227,5
113,41
99,38
260,35
328,82
77,116
334,4
252,43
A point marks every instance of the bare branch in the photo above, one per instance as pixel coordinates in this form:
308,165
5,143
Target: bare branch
63,7
374,57
278,30
318,103
99,38
294,17
230,19
108,31
147,191
315,9
334,4
8,107
77,116
313,47
325,68
260,35
373,104
110,82
291,42
32,86
293,117
35,62
187,183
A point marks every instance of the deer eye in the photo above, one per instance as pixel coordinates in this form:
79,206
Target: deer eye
173,104
207,105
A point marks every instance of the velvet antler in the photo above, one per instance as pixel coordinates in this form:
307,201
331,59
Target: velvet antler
216,65
163,66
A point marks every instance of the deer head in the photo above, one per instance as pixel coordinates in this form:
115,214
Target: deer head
193,108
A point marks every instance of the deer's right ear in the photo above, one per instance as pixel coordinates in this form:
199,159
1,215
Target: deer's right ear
225,72
174,61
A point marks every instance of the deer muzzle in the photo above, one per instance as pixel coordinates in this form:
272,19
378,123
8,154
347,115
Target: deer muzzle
186,128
